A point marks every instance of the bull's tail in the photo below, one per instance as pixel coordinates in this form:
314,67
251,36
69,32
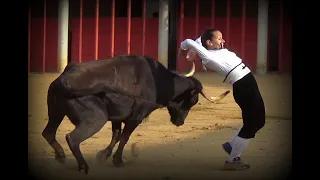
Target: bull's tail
55,100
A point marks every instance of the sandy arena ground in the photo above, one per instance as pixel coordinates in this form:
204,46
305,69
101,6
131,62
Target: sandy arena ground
170,153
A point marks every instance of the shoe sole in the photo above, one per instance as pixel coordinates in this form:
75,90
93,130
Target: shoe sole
236,169
233,168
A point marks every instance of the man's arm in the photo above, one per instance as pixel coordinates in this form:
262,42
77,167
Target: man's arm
189,44
192,54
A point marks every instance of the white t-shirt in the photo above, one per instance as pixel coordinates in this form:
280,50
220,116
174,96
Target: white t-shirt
198,40
221,60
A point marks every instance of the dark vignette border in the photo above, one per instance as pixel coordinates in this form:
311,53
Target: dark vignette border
14,129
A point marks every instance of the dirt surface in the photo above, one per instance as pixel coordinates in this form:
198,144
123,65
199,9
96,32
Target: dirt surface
167,152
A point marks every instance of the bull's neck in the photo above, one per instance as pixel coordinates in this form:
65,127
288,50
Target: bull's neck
169,86
181,85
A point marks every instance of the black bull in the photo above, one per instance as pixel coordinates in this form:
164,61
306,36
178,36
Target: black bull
124,89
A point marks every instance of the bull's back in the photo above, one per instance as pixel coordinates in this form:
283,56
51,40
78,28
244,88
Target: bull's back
135,76
129,74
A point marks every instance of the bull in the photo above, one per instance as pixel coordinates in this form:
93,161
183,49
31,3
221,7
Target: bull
123,89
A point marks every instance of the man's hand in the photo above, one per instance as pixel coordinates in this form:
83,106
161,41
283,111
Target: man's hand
191,55
181,53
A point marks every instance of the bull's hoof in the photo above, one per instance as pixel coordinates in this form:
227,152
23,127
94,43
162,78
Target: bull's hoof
61,158
118,162
102,156
84,167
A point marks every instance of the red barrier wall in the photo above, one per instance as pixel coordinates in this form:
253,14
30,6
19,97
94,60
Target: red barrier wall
121,35
151,43
36,45
88,38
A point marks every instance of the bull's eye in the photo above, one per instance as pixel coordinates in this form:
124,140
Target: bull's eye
194,99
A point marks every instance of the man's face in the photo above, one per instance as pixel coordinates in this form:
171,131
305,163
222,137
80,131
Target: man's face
216,41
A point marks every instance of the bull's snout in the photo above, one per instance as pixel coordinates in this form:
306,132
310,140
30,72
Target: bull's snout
179,124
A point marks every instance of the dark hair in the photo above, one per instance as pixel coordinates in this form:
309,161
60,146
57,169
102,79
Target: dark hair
207,35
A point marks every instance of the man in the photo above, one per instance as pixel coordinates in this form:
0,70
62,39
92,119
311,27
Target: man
209,47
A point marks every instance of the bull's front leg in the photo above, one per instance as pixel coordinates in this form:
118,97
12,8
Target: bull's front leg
124,137
106,153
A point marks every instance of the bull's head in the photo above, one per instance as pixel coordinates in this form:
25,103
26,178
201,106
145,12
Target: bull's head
180,106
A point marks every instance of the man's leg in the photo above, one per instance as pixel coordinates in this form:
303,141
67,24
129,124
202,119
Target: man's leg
227,146
238,145
253,122
240,141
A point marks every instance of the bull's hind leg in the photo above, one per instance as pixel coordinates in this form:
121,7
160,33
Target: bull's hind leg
124,137
106,153
83,131
49,133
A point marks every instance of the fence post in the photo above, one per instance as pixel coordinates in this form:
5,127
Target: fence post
144,26
163,32
228,23
262,43
113,9
129,27
80,30
63,25
197,19
44,37
96,40
243,27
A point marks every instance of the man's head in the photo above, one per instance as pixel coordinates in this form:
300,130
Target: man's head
212,39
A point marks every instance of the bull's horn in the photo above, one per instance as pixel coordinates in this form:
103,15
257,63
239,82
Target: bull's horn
215,99
193,70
